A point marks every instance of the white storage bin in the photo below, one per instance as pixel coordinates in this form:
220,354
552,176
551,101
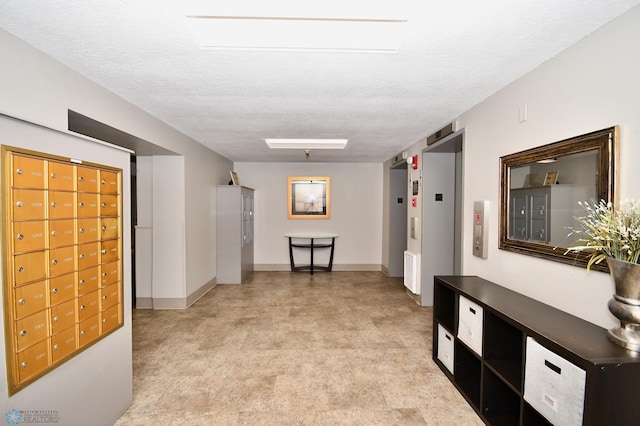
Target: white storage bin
553,386
470,324
445,348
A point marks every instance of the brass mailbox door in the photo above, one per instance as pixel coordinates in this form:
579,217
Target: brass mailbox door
88,255
28,204
88,230
62,261
60,176
108,182
110,318
110,273
88,305
32,329
109,228
29,267
61,205
88,330
63,316
87,179
33,360
110,296
30,298
88,280
61,233
62,289
27,172
108,205
29,236
110,251
63,344
88,205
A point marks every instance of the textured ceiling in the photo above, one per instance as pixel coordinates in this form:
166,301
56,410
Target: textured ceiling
456,54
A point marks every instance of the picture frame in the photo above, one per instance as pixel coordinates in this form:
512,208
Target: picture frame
234,178
551,178
308,197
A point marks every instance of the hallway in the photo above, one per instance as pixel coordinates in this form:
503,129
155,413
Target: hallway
292,349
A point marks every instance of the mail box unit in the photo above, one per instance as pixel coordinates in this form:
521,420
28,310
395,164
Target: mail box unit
62,244
234,233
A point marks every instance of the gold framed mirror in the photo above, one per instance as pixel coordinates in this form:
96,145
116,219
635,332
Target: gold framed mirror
540,189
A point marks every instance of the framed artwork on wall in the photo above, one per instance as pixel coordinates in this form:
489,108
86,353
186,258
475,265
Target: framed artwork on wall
234,178
551,178
308,197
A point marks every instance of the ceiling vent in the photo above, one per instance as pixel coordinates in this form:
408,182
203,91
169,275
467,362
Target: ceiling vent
440,134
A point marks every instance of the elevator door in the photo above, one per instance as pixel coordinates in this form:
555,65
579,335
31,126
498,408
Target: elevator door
397,220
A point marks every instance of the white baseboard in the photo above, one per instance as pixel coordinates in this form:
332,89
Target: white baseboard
267,267
174,302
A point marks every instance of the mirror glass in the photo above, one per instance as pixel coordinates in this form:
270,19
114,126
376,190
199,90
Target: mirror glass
541,189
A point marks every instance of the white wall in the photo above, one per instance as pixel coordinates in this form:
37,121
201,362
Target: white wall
356,212
37,88
76,390
591,86
168,231
203,172
144,232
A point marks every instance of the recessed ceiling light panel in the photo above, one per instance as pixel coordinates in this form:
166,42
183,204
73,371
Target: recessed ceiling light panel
307,143
368,35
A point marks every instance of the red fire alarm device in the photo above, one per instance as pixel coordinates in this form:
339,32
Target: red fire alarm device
413,161
414,201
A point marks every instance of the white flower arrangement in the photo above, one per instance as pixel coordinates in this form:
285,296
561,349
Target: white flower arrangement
608,232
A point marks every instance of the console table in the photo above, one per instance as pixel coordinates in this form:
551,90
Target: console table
518,361
311,242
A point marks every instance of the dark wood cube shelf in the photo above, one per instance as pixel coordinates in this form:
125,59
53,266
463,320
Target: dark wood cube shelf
495,383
